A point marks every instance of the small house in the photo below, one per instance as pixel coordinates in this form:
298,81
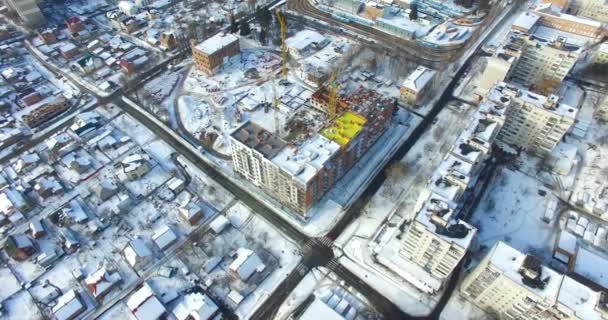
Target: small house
192,213
176,185
135,166
145,305
87,64
36,228
164,237
47,36
69,50
47,187
101,282
69,306
74,24
19,247
196,306
219,224
137,253
246,263
105,189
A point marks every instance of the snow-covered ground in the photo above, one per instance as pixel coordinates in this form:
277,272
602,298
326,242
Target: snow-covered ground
511,211
245,230
394,202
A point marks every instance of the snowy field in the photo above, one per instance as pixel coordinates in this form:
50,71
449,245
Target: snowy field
511,211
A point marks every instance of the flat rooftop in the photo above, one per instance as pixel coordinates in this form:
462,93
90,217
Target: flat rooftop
437,205
552,103
304,38
217,42
259,139
306,160
526,20
344,128
509,261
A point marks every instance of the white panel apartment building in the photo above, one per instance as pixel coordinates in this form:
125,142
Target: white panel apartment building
437,240
534,123
543,64
511,285
28,11
593,9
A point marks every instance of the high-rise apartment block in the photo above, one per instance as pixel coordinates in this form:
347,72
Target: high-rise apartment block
511,285
534,122
543,64
437,240
593,9
28,11
299,173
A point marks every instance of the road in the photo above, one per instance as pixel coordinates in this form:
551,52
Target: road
316,252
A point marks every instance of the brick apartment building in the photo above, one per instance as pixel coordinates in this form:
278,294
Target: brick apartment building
298,174
214,52
46,112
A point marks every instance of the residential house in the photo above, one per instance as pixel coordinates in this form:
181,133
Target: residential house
145,305
101,282
137,253
246,263
19,247
69,306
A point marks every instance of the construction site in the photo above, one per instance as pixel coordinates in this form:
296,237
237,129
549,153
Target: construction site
299,171
288,124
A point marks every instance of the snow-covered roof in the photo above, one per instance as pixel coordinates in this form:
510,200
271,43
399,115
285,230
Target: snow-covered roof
437,208
580,299
551,103
219,224
509,261
6,205
100,281
526,20
144,304
301,40
567,242
175,183
246,263
404,24
197,306
418,79
67,47
318,310
217,42
592,266
553,10
68,306
137,248
305,161
164,237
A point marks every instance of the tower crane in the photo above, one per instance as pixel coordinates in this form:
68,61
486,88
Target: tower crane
333,95
275,107
283,25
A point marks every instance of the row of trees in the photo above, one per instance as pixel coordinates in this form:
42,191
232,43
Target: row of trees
262,15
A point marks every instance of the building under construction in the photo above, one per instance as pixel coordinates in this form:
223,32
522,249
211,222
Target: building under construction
299,173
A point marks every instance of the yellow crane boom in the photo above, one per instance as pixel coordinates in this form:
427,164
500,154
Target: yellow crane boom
333,95
283,25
